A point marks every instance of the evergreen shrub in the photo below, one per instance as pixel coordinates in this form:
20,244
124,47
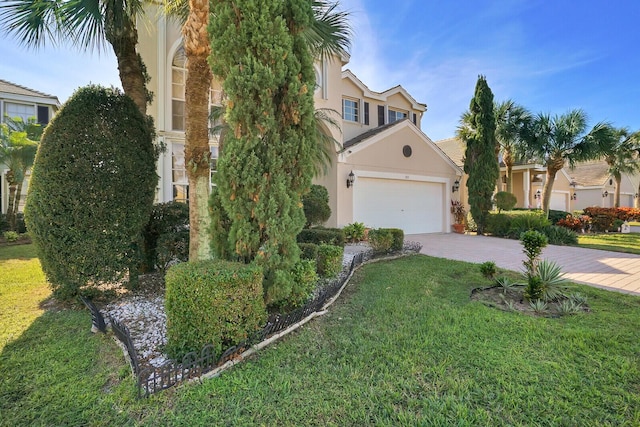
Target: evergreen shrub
555,216
380,240
329,260
529,221
329,236
305,279
499,224
308,251
397,235
212,302
505,201
91,190
172,247
316,205
170,217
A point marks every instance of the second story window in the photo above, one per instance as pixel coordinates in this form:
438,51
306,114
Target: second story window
395,115
350,110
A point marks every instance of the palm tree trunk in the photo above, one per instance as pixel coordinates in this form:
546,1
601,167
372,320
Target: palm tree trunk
123,37
616,194
11,217
16,204
548,187
197,154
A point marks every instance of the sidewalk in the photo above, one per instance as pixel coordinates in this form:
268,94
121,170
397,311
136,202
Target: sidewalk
603,269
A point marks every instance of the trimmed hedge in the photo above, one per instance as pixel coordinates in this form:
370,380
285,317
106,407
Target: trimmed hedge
305,278
91,190
212,302
380,240
329,262
316,205
499,224
329,236
505,201
397,236
308,251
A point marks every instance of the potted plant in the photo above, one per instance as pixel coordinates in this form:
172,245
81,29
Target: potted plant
459,216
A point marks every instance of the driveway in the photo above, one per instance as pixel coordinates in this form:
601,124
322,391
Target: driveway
603,269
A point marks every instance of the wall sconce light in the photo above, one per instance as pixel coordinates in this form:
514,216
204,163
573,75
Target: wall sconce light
456,186
350,179
635,196
538,195
605,194
504,179
574,196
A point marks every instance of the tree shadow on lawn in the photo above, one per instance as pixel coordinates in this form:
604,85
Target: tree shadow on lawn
59,373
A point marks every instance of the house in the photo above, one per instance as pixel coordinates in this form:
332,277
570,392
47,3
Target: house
387,172
588,184
20,101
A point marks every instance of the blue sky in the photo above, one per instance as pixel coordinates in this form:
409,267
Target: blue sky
549,56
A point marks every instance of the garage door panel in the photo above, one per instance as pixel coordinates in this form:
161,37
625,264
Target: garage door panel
413,206
558,201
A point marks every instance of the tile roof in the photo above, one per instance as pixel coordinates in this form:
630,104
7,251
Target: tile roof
589,174
454,148
9,87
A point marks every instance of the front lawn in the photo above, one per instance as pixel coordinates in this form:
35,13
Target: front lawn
404,345
617,242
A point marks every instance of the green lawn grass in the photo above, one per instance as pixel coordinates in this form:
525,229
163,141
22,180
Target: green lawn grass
404,345
617,242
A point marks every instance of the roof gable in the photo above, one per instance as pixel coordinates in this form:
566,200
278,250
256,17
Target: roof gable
383,96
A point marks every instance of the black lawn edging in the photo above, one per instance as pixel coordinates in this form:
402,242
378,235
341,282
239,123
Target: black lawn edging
196,364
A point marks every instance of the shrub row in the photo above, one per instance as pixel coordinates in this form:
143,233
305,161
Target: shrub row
609,219
212,302
383,240
513,225
318,236
327,258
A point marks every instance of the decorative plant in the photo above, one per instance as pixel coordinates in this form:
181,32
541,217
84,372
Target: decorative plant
488,269
458,211
533,243
354,232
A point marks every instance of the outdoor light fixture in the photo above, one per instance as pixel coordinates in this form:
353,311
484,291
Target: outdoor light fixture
456,186
574,196
635,196
605,194
350,179
538,195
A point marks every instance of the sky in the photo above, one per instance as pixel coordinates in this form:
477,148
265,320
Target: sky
548,56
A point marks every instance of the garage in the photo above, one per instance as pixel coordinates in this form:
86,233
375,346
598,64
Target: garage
558,201
413,206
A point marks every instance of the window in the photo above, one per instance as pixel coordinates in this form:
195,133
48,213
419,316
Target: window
366,113
179,178
43,114
25,111
394,115
350,110
178,81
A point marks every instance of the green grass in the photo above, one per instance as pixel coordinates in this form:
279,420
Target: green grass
404,345
617,242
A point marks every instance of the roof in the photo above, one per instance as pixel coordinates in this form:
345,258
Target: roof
382,96
454,148
590,174
12,88
369,134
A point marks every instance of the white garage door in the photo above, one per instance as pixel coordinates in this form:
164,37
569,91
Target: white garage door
413,206
558,201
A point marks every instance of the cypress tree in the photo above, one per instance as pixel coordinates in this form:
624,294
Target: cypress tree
266,164
480,162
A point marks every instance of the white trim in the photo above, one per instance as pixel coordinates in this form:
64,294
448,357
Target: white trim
383,96
399,177
162,71
28,99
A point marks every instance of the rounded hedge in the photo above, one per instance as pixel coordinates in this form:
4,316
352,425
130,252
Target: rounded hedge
91,190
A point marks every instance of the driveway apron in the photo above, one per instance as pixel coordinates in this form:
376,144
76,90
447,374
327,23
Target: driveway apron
603,269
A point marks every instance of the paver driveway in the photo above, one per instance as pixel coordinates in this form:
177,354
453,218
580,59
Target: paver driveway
611,270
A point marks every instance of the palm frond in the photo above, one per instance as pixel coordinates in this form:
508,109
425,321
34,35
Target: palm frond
329,33
34,23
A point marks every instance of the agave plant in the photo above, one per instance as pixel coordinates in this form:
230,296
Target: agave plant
505,283
552,280
539,306
569,307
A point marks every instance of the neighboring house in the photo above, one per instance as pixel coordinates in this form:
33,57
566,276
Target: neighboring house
399,177
20,101
588,184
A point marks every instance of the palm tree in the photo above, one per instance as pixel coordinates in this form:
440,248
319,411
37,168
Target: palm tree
86,24
17,152
622,156
328,34
556,141
512,122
